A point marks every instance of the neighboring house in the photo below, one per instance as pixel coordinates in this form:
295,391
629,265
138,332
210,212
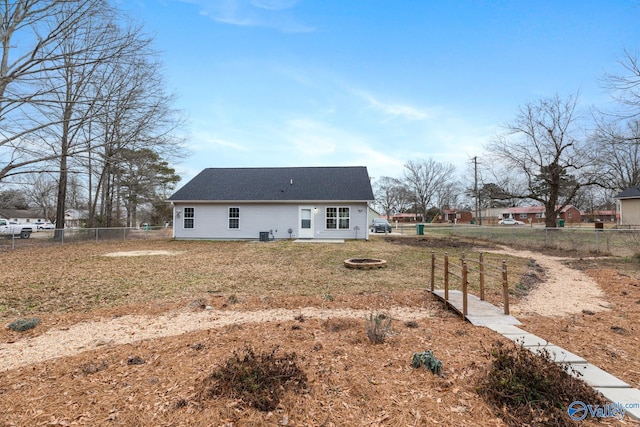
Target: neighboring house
22,216
536,214
274,203
601,216
404,217
454,216
75,218
629,201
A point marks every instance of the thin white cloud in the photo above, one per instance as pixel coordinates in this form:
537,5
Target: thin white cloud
315,142
274,4
311,138
275,14
393,111
206,142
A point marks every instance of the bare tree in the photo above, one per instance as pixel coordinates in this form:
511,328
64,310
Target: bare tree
625,86
42,194
391,195
617,153
137,115
30,32
542,153
425,180
617,138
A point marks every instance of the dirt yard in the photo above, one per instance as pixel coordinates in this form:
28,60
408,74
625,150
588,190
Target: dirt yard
131,330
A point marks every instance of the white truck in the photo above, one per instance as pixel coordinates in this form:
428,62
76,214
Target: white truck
10,229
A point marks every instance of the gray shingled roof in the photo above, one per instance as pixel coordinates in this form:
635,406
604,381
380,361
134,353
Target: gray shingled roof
629,193
278,184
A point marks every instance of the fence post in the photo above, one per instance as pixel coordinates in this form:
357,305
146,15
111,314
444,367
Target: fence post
505,287
433,268
446,276
481,268
464,290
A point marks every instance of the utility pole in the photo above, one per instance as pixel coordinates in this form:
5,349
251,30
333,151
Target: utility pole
475,188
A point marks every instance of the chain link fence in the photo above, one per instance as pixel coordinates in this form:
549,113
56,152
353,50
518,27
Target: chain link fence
583,240
68,236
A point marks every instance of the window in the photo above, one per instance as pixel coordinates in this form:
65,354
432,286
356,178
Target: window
189,216
539,215
523,216
234,217
337,218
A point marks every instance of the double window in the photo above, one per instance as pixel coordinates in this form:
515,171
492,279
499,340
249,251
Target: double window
189,217
234,217
337,218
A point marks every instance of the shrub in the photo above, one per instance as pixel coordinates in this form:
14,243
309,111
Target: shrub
427,360
527,388
378,327
22,325
257,380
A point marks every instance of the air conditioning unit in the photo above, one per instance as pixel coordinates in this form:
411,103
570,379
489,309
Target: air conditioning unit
264,236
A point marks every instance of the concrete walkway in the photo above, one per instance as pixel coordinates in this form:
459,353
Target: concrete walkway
482,313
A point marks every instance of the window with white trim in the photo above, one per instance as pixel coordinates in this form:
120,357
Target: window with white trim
523,216
338,218
189,217
234,217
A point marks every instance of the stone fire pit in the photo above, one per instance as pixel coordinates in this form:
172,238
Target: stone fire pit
365,263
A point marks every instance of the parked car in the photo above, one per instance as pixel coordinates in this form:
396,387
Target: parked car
380,225
510,221
46,226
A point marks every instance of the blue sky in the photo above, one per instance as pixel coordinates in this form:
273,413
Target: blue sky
370,82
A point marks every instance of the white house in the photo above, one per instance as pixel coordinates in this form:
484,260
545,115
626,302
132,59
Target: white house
274,203
629,201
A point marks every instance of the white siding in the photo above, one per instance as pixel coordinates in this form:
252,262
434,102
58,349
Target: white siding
211,221
630,211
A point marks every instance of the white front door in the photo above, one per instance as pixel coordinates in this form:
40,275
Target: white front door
305,223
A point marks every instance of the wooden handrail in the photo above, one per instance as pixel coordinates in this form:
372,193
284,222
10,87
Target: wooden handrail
463,277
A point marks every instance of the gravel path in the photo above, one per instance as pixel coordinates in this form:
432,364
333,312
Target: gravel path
565,291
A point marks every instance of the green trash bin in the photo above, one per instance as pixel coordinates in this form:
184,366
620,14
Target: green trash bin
561,223
420,229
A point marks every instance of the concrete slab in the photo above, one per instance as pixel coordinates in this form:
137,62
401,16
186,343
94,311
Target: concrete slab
596,377
318,241
558,354
628,397
527,339
504,329
493,320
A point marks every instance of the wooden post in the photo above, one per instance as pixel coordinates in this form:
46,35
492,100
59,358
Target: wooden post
446,276
464,290
433,270
481,268
505,287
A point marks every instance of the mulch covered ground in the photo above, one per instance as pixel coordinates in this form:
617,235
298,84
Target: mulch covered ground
350,381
